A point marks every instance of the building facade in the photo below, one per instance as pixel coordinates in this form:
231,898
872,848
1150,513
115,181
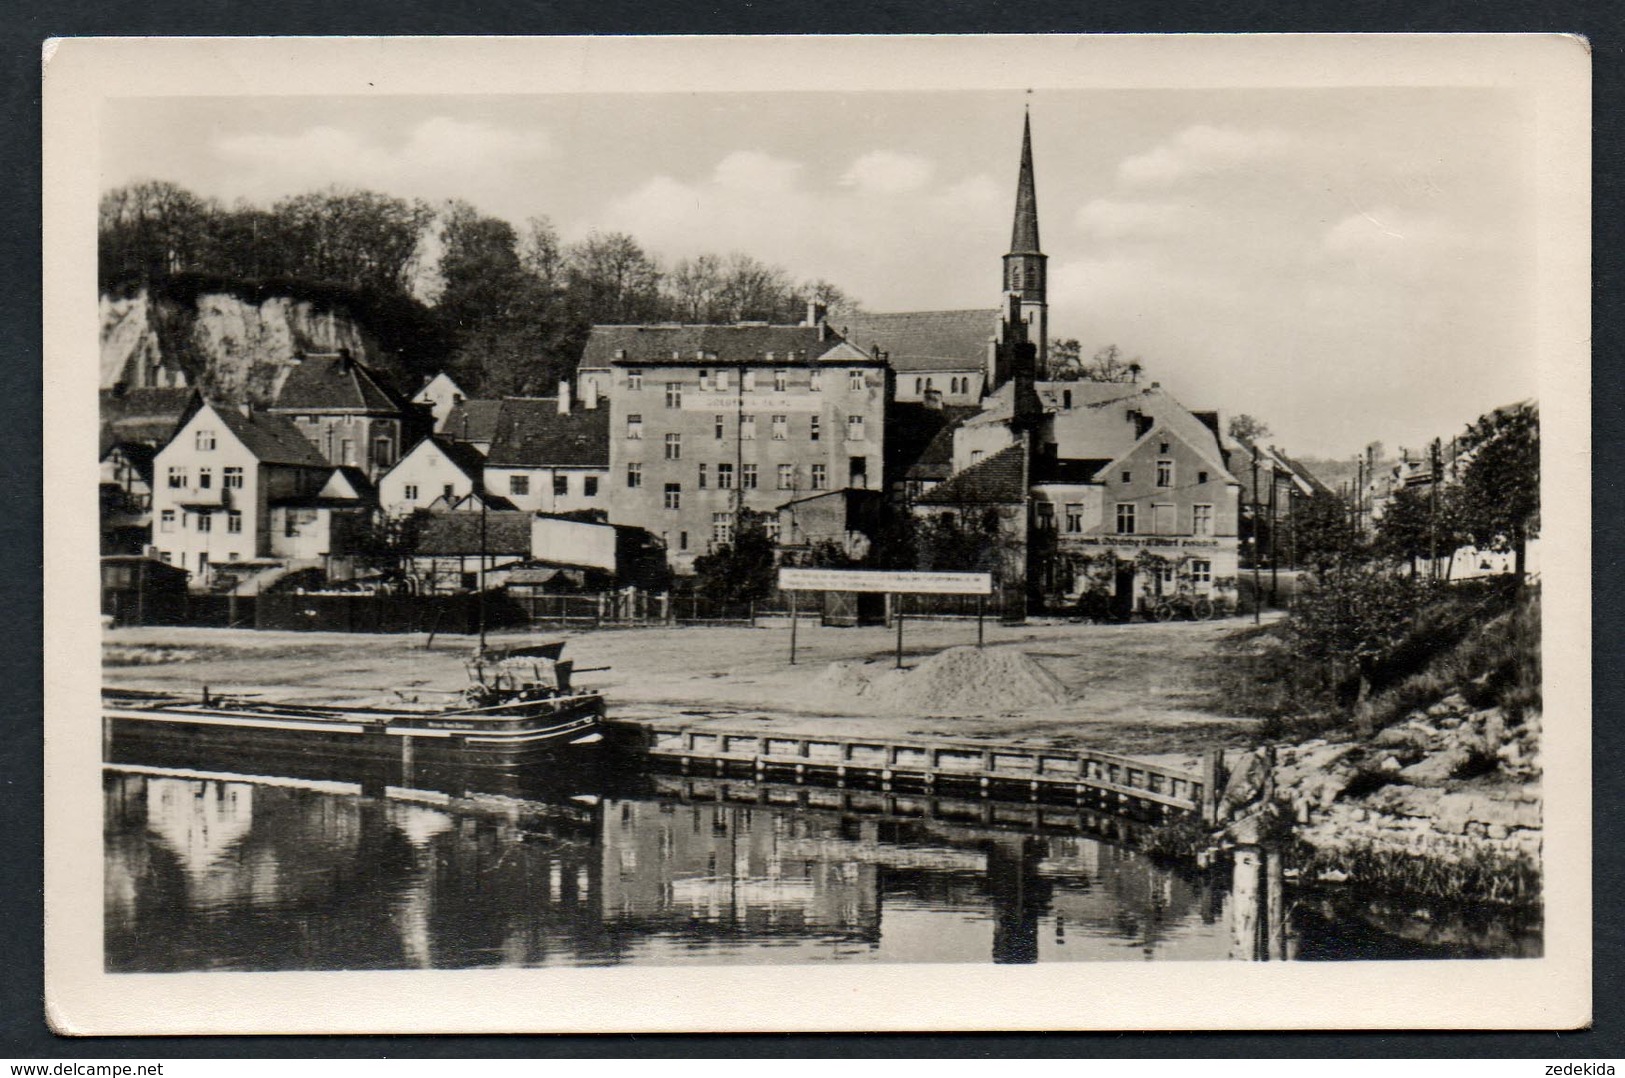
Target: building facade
551,454
349,414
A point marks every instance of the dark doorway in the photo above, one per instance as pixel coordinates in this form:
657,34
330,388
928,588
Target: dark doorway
1123,594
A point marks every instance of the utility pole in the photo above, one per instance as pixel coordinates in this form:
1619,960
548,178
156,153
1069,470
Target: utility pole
1274,573
1435,466
1258,594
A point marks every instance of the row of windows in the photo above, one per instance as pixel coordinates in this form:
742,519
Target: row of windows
778,425
956,384
520,484
1162,519
789,477
722,531
1165,472
202,522
721,380
1201,571
230,478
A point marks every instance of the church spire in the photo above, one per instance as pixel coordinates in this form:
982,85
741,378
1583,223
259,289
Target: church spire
1024,236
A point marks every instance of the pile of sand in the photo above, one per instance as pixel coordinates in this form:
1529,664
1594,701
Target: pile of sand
957,681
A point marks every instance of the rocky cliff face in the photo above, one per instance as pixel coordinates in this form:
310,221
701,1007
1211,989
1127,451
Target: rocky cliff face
237,348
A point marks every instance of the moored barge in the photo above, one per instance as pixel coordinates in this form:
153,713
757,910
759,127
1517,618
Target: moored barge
519,708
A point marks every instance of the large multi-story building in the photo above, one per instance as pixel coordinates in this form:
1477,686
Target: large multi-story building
707,421
352,417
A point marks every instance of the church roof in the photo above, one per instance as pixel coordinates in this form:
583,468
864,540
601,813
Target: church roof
926,340
1024,233
999,480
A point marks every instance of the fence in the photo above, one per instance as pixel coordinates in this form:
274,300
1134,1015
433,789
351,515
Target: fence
460,613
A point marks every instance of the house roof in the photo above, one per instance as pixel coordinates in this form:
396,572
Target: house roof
927,340
920,439
336,383
998,480
472,421
447,533
654,345
1308,477
272,439
143,415
464,457
533,433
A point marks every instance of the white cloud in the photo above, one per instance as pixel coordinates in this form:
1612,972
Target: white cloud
1384,231
750,171
887,172
440,153
1108,218
1202,149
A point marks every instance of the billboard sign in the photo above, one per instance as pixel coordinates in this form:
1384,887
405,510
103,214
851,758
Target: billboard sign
885,581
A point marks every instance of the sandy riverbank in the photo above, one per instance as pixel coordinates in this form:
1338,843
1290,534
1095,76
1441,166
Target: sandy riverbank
1139,689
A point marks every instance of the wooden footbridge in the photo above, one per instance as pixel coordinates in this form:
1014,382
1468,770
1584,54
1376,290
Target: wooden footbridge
994,768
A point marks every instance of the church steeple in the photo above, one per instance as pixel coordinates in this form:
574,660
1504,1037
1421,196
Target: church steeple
1025,269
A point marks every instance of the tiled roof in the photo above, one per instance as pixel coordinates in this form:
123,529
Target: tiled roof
148,415
1305,474
464,457
449,533
652,345
472,421
998,480
533,433
336,383
927,340
271,438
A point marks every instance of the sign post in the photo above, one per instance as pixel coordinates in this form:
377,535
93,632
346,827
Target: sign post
895,584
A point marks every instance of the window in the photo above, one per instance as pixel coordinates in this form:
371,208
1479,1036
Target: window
722,380
977,454
410,492
231,478
205,478
747,477
1201,477
771,524
705,381
234,522
816,381
919,386
1162,448
634,474
177,478
812,431
725,476
166,520
781,428
1125,518
383,451
561,486
857,470
634,380
674,495
701,483
519,484
1201,571
787,477
674,447
1074,517
747,428
722,528
347,452
781,381
589,486
674,394
164,556
1165,473
448,492
205,522
1162,520
682,540
1066,398
1201,520
747,381
205,440
1045,512
1128,477
820,477
720,425
854,380
854,428
634,426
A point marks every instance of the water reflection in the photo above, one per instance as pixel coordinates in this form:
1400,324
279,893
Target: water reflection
216,871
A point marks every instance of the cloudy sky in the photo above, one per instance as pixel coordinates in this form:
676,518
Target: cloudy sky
1346,264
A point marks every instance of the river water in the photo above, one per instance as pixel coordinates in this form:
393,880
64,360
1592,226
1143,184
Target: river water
257,864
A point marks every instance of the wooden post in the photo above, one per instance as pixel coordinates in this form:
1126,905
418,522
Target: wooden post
897,614
1212,775
981,606
792,628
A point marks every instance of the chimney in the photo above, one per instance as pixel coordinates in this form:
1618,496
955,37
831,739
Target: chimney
590,398
564,397
246,410
345,361
815,314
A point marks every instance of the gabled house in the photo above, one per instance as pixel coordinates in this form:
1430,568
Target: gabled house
349,414
126,498
217,481
473,422
944,357
550,454
434,472
440,394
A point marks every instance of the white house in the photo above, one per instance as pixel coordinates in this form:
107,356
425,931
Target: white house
550,455
441,393
436,470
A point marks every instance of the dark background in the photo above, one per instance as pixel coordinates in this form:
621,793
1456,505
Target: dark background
23,1032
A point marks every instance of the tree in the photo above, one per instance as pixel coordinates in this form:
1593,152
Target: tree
1500,486
1324,532
1348,620
1246,428
1066,364
611,280
152,229
836,302
742,570
694,289
355,237
1419,522
481,274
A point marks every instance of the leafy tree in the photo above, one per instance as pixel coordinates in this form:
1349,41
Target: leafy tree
1352,617
481,273
1500,486
694,289
360,238
152,229
1323,532
743,570
1415,524
611,280
1107,365
837,303
1248,429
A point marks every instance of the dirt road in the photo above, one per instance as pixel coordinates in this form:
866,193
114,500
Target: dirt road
1137,688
